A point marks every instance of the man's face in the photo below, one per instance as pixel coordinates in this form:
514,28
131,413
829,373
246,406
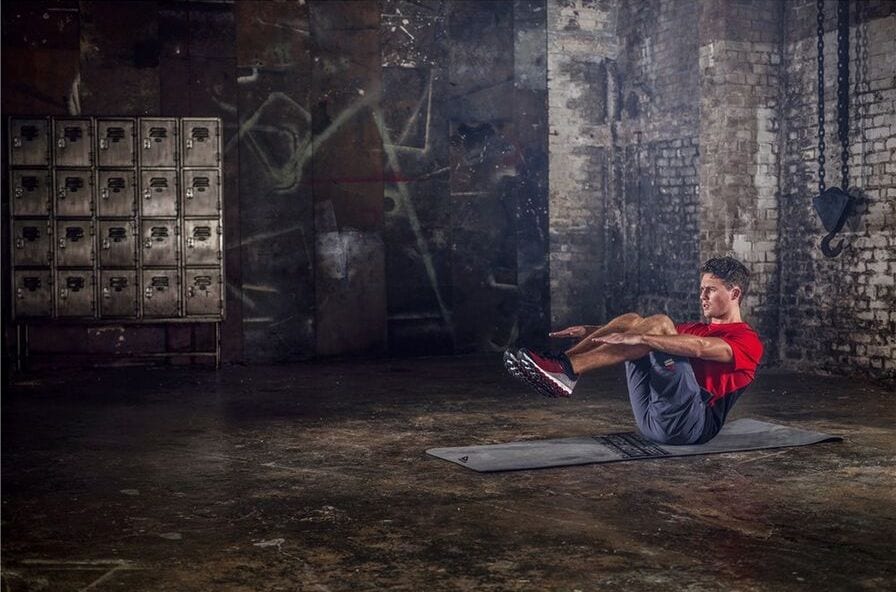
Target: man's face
715,299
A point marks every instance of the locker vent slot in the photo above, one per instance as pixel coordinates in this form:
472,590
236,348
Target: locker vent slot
118,283
73,184
200,134
73,134
115,134
29,132
74,283
74,233
116,184
118,234
30,182
160,282
31,283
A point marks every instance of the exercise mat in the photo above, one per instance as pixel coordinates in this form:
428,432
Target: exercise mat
739,435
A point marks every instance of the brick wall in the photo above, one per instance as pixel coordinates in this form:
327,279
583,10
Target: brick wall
839,314
624,158
581,39
740,63
686,129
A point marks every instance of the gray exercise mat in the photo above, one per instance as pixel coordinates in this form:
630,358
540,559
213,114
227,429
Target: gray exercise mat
742,434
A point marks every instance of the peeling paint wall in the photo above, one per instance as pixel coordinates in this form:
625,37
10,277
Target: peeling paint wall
385,160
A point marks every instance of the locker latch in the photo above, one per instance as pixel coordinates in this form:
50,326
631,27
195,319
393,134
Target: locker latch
29,183
72,284
199,134
29,283
117,283
113,135
200,233
155,133
30,234
113,185
116,235
71,185
201,283
160,184
28,132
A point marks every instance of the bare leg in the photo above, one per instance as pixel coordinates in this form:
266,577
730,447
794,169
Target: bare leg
620,324
608,354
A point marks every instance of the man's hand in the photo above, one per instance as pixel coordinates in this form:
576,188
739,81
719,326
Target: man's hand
577,331
622,338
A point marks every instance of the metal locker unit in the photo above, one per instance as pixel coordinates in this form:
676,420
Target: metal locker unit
158,142
117,193
31,192
29,141
116,142
202,192
159,239
73,142
161,293
203,292
117,243
116,219
32,243
74,243
118,294
33,293
75,293
202,242
74,192
201,142
158,192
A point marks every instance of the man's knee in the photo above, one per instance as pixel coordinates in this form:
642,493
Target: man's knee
660,323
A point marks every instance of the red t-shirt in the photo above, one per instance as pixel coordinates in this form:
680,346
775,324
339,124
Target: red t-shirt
722,378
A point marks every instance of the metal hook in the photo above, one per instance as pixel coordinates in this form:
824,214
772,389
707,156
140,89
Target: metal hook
826,246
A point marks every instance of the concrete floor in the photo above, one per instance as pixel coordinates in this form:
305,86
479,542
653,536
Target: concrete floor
313,477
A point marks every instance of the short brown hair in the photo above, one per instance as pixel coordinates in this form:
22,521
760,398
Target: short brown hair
731,271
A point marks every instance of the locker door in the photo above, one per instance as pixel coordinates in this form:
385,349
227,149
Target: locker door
33,293
29,142
32,242
76,294
73,142
117,193
74,192
159,191
30,192
203,293
118,294
115,142
201,142
158,142
161,293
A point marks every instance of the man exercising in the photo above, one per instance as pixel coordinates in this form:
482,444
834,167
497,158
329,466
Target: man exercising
683,379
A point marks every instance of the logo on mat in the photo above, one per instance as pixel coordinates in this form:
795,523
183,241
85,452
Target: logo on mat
464,459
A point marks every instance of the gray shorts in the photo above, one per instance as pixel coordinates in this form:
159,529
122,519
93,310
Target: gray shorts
668,404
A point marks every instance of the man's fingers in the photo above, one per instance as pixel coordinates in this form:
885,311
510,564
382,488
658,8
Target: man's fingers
570,332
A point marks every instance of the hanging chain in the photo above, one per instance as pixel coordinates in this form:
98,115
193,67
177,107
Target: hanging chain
821,146
862,88
843,89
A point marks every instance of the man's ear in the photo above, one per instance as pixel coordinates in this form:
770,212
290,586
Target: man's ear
735,293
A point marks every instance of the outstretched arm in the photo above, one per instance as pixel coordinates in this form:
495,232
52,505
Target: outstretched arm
690,346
